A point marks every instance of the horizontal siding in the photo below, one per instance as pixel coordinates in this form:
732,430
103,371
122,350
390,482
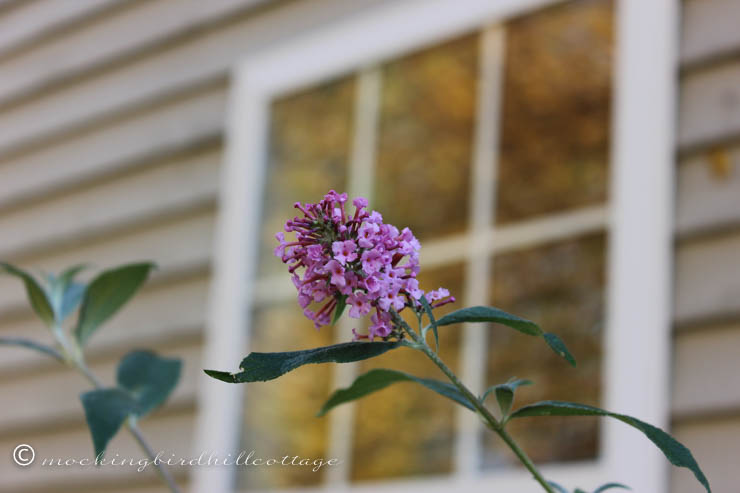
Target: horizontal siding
169,187
152,21
170,432
203,56
709,30
34,19
705,366
168,128
708,192
707,279
716,446
709,109
705,392
50,398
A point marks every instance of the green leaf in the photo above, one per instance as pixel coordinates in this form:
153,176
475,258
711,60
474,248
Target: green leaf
36,346
149,378
106,294
505,393
432,321
259,367
380,378
610,486
674,451
36,294
105,412
341,305
71,300
557,345
64,294
491,314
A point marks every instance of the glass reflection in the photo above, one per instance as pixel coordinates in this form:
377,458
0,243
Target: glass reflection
424,146
310,138
279,417
556,110
561,287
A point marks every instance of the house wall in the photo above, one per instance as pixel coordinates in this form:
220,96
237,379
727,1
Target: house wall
111,122
706,393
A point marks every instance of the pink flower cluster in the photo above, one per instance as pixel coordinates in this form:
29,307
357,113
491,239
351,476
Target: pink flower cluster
355,259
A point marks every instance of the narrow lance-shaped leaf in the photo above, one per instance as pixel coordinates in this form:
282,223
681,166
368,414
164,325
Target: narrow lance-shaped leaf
36,294
491,314
505,393
674,451
380,378
149,378
432,321
557,345
29,344
259,367
106,294
105,412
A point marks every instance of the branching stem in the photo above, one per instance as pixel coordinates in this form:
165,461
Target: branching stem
482,411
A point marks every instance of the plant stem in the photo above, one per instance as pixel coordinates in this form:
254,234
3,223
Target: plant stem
133,428
482,411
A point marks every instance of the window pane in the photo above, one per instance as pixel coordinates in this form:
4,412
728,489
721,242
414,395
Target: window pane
279,417
310,137
424,148
561,287
556,110
406,429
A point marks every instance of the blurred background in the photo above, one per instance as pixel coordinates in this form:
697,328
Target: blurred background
112,118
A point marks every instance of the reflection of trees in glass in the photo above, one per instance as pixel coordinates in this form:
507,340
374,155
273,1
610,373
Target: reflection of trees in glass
561,287
280,419
556,107
310,139
424,145
405,429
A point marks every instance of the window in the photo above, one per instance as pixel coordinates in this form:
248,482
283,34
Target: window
504,116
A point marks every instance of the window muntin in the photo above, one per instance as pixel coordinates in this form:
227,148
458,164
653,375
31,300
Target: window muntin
301,169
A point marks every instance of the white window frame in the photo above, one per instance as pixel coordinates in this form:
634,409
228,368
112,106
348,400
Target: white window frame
639,221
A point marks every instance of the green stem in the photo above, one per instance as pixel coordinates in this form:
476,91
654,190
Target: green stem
482,411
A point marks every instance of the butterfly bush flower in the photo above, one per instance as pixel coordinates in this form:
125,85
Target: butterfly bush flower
340,258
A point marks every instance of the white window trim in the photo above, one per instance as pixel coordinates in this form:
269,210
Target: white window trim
636,375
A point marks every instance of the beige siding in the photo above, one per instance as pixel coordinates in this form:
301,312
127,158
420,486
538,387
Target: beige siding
716,445
709,30
111,121
706,391
709,191
705,371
